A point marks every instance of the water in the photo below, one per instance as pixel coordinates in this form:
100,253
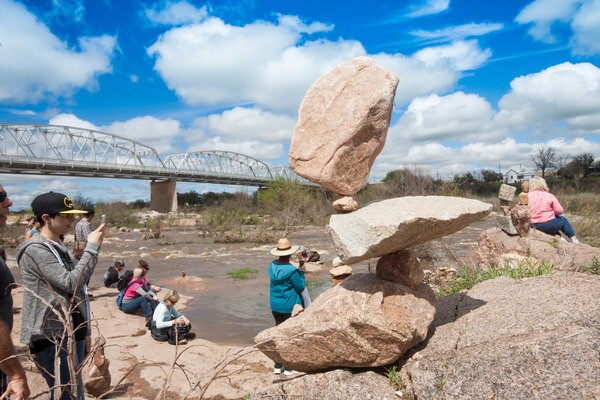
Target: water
228,311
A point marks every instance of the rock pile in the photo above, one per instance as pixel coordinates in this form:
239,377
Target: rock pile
515,243
367,320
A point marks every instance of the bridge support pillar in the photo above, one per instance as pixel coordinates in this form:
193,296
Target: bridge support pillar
163,196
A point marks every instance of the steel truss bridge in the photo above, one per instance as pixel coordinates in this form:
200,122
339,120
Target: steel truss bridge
68,151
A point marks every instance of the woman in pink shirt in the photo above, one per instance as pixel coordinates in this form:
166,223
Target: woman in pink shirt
137,298
546,211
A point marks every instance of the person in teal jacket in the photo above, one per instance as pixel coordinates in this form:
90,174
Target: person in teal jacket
286,287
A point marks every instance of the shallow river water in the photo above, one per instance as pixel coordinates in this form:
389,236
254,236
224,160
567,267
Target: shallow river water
228,311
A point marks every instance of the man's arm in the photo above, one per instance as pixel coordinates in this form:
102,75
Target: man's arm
10,365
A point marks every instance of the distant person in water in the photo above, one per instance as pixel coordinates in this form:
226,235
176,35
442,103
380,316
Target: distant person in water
546,211
286,286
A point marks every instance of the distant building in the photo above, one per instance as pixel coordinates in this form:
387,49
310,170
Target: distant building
518,174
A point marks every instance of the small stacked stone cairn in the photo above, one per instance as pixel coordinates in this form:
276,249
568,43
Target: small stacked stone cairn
367,320
516,220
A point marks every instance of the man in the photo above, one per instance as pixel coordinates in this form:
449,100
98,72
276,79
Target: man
10,367
111,276
55,292
82,230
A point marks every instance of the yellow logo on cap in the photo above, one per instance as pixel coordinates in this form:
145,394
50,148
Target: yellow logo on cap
68,202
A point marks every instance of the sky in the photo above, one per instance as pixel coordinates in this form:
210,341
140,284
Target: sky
482,84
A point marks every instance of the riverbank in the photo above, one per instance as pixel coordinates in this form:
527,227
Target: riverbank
146,366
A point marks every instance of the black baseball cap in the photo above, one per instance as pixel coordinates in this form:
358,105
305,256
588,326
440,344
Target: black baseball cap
52,203
120,263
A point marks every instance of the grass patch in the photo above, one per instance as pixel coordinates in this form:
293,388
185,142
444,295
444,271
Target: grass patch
395,378
593,268
468,277
242,274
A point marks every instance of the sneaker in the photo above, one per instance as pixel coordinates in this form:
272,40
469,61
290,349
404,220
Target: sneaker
277,371
575,241
289,372
562,239
182,341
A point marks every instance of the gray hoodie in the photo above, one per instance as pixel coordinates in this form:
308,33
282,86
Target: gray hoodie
52,277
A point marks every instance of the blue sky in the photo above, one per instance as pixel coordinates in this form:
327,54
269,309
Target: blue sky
483,84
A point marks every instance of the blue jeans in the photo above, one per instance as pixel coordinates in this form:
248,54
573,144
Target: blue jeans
146,305
45,364
558,224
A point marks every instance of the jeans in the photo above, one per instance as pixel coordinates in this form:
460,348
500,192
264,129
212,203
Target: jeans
45,364
280,318
558,224
146,305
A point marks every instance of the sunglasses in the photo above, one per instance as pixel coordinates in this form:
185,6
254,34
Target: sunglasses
3,196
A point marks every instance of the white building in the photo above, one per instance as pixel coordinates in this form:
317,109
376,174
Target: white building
518,173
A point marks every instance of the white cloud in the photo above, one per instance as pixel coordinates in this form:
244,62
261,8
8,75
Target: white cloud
581,17
428,7
176,13
561,92
458,116
273,67
260,150
458,56
446,161
72,120
35,64
134,78
248,123
458,32
586,29
269,67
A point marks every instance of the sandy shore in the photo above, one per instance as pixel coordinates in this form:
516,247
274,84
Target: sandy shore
151,366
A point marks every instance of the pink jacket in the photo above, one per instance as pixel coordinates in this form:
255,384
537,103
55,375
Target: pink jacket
544,206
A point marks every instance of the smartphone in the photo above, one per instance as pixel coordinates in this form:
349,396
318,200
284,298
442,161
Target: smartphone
103,219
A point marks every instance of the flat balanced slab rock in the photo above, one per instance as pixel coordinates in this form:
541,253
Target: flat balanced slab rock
391,225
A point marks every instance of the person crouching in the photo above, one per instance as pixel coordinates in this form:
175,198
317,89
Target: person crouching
168,324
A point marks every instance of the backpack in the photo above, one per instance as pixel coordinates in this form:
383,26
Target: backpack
124,280
122,294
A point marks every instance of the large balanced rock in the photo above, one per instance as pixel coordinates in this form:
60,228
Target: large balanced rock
342,125
362,322
536,247
534,338
391,225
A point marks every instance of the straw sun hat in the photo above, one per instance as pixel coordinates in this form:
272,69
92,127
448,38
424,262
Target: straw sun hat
284,248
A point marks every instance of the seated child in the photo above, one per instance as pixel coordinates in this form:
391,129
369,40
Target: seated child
168,323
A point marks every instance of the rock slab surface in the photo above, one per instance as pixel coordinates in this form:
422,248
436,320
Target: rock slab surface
362,322
342,125
391,225
535,338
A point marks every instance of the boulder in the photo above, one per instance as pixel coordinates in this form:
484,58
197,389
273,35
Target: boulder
362,322
340,270
395,224
336,384
494,245
535,338
401,267
342,125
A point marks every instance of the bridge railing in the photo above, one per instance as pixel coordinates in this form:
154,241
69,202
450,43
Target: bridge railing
65,150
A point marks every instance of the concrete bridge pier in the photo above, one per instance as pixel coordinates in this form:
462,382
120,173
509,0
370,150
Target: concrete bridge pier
163,196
